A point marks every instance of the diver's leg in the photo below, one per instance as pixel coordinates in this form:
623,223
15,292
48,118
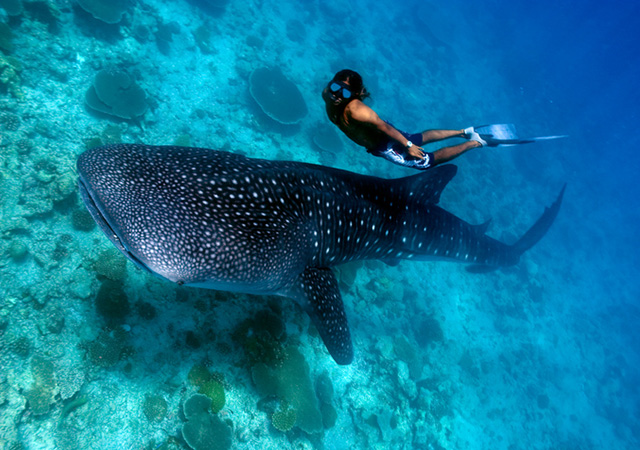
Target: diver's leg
446,154
439,135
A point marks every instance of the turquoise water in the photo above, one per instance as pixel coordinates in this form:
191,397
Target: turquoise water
96,354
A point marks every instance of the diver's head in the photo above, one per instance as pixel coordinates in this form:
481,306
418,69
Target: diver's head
345,86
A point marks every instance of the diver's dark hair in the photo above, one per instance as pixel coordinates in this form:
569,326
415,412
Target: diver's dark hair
355,81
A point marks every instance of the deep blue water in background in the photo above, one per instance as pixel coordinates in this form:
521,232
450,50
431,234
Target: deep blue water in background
561,330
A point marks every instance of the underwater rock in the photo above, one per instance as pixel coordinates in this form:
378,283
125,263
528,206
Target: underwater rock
19,345
18,251
213,7
146,310
183,140
324,388
202,37
6,38
114,93
53,322
12,7
428,330
324,392
346,273
326,138
112,302
296,31
278,97
408,353
108,11
10,122
164,36
24,146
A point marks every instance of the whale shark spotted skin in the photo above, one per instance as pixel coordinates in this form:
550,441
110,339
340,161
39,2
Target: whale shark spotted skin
220,220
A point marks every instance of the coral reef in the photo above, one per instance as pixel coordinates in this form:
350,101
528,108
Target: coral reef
40,395
114,93
277,96
290,382
262,337
196,404
108,11
81,220
214,390
284,419
203,430
107,348
10,69
111,264
154,407
199,375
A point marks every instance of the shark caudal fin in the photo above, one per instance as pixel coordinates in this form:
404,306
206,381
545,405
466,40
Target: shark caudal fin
540,228
530,238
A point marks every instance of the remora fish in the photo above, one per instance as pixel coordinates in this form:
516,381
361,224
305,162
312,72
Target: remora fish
223,221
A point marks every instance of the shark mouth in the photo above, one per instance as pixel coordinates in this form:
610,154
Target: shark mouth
105,226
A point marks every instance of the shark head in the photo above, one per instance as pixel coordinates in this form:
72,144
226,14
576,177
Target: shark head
220,220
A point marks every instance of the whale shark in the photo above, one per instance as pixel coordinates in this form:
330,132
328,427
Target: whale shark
221,220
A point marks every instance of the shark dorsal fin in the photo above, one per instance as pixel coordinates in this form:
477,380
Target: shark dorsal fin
426,187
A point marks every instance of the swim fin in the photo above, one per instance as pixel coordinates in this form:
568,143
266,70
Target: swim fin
504,135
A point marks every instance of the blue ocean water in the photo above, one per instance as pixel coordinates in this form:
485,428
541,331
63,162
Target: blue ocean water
96,354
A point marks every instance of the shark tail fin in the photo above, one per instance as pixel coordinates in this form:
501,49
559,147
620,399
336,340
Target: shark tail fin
529,239
540,228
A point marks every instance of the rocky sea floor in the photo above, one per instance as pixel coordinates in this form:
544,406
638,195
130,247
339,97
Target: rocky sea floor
96,354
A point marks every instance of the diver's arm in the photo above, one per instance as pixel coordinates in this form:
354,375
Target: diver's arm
362,113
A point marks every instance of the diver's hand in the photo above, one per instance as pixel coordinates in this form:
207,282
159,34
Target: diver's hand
416,152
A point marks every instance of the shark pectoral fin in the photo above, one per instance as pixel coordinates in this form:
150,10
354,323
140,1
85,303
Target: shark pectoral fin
319,289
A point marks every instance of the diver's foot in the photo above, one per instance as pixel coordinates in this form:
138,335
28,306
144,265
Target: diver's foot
471,134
